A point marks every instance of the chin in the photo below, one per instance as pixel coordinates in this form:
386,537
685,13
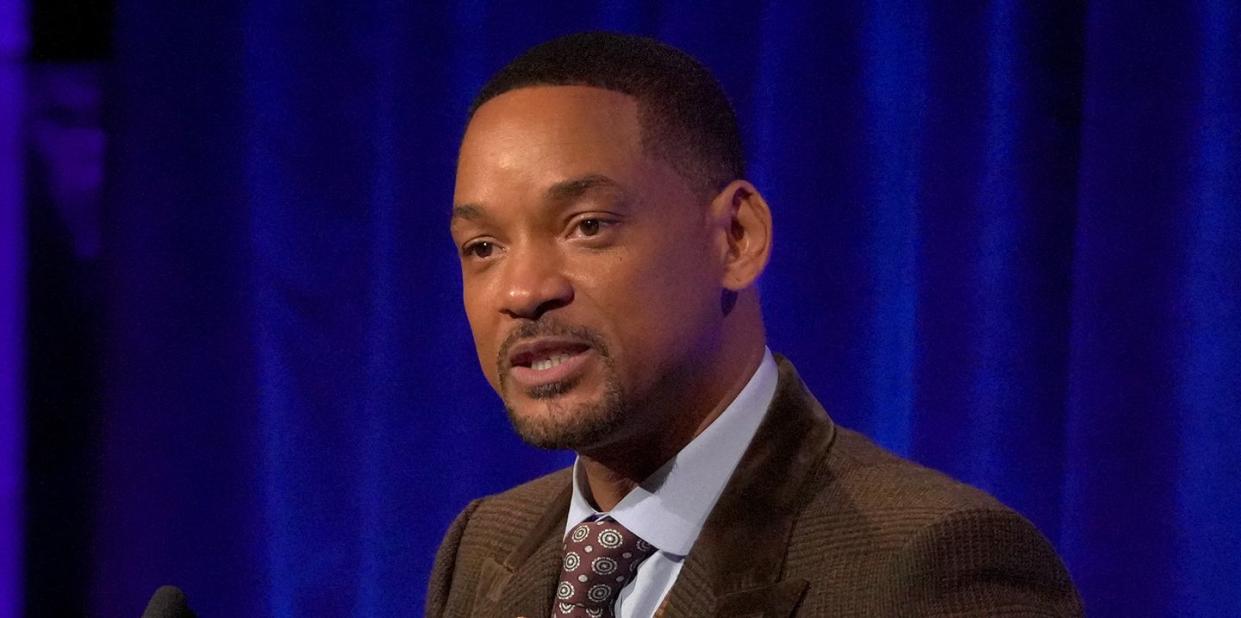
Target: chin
556,416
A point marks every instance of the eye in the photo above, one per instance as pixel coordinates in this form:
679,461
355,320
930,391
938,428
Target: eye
481,249
594,228
589,227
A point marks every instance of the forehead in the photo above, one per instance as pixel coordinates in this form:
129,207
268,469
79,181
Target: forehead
542,135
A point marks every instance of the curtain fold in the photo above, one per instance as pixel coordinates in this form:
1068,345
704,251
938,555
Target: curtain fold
1152,405
13,43
1006,246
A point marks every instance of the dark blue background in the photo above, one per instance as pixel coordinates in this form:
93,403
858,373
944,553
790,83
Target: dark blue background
1006,246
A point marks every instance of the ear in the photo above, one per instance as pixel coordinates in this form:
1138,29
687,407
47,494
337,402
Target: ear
743,226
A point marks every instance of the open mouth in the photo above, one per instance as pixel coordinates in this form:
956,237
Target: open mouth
545,361
543,356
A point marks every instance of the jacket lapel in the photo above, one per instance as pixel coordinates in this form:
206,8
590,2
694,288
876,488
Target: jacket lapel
523,585
734,569
735,566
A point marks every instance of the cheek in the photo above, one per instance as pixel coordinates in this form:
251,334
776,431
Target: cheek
655,300
677,276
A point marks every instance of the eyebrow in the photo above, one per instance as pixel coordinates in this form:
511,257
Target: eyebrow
563,191
568,190
469,212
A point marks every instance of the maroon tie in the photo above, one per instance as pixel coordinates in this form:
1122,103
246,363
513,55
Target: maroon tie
600,558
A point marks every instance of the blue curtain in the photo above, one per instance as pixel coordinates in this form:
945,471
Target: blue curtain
13,43
1006,246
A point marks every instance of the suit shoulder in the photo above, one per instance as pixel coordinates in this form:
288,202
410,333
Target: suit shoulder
499,521
879,527
874,479
489,528
528,498
533,492
880,499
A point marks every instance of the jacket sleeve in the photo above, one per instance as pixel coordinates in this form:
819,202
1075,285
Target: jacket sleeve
986,562
440,587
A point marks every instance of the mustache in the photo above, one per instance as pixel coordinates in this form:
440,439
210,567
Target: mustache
549,327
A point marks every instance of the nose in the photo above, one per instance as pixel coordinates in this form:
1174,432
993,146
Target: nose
534,283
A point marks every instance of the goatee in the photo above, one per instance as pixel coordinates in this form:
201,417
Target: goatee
558,425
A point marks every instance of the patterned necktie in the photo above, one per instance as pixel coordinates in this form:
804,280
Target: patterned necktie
600,558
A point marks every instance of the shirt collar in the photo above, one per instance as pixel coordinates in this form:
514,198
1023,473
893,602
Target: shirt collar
669,508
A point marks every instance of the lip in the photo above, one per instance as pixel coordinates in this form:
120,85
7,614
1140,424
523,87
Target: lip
579,352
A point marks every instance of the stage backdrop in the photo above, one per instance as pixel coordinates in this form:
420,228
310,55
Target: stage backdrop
1006,246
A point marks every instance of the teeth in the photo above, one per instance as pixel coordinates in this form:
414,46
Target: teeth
549,362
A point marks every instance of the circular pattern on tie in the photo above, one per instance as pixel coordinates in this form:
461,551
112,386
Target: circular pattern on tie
600,558
611,538
603,565
580,533
599,593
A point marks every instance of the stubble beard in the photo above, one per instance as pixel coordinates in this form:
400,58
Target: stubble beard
560,425
569,426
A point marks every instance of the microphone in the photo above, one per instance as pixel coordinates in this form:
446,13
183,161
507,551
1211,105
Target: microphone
168,602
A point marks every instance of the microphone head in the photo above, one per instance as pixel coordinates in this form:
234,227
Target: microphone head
168,602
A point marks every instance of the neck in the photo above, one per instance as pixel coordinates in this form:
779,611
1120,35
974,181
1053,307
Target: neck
612,472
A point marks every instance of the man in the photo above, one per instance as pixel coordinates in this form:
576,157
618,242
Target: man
609,251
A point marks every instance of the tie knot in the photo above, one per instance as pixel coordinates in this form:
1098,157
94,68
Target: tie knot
600,558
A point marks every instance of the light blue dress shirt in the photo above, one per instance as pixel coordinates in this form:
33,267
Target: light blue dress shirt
669,508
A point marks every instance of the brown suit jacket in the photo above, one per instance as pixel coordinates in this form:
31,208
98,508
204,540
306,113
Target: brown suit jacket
817,520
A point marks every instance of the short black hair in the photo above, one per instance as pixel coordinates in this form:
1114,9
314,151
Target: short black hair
685,117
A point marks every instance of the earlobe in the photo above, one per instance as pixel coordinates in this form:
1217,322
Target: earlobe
746,222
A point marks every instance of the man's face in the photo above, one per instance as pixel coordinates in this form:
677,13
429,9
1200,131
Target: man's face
591,280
